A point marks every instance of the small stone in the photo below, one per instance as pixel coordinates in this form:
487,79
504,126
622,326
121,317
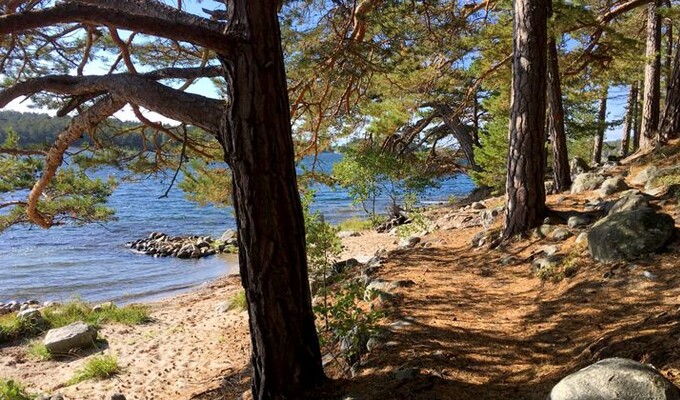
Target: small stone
118,396
409,242
347,234
477,205
577,221
406,373
222,307
649,275
613,185
561,234
103,306
550,250
545,230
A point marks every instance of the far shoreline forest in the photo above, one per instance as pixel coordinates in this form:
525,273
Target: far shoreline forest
513,93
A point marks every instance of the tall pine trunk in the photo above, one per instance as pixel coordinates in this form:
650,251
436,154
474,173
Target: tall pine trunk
670,123
525,188
562,175
652,86
256,136
637,119
601,127
629,120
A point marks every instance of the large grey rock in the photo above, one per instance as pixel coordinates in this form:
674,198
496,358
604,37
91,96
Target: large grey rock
613,185
615,379
78,335
586,181
629,203
644,176
578,166
667,176
630,234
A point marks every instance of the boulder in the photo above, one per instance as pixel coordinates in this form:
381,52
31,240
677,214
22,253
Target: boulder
665,176
78,335
545,230
477,205
578,166
628,235
615,378
409,242
613,185
628,203
644,176
582,238
586,181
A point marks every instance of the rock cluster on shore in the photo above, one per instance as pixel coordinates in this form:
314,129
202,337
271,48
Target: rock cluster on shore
159,244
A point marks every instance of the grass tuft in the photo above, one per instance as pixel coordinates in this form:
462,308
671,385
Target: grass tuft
62,315
13,390
238,301
12,327
38,351
355,225
98,367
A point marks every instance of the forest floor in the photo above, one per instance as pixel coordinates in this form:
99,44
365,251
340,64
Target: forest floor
472,328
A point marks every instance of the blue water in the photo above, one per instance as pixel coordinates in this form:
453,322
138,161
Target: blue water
91,262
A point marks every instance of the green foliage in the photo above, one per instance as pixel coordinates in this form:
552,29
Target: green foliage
355,225
98,367
238,301
368,173
492,155
13,390
12,327
38,351
349,320
206,184
62,315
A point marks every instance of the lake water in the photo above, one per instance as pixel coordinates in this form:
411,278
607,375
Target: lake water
91,262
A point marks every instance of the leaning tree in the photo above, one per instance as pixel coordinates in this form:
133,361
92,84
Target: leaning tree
46,49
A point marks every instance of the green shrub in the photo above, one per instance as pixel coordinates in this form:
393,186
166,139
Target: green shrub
98,367
12,390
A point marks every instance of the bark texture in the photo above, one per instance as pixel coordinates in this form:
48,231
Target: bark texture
562,175
525,189
257,138
670,123
629,120
652,86
637,119
596,157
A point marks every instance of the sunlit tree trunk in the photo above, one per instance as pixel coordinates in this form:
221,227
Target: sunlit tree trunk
596,157
525,189
562,176
652,91
629,120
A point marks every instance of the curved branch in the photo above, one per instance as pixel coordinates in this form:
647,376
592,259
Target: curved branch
55,156
147,17
143,90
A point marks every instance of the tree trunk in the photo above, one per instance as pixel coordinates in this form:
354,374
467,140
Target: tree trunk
256,136
670,123
629,120
668,61
525,188
637,120
652,90
562,176
601,127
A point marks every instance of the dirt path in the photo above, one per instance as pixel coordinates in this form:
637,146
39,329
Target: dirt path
472,326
